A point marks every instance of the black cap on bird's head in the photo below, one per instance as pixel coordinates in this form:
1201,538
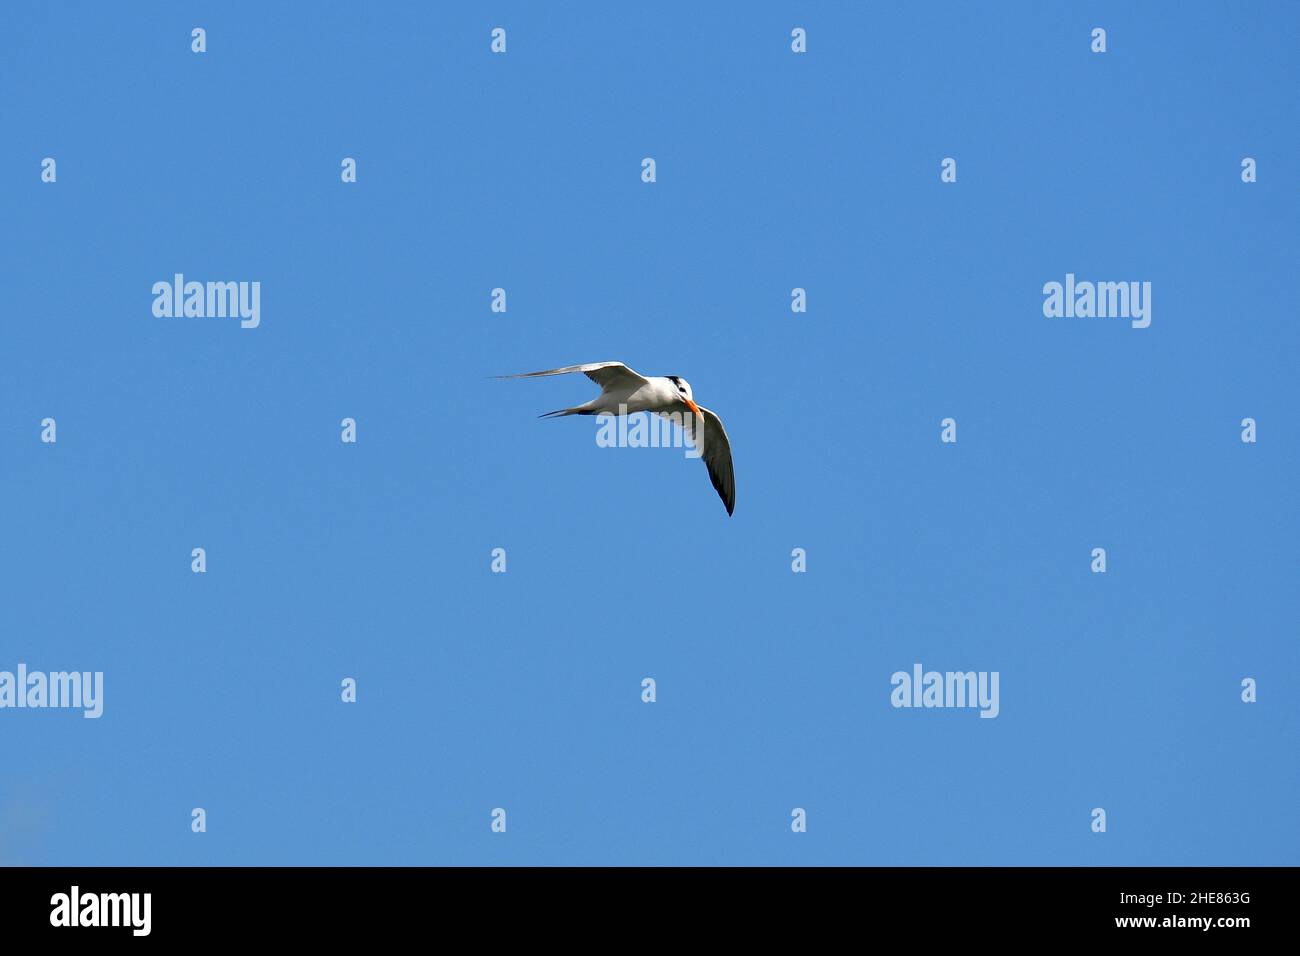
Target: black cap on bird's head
684,392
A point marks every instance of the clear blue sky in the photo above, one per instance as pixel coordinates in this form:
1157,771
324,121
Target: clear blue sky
522,690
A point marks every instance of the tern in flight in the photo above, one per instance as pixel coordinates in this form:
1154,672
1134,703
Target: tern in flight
624,392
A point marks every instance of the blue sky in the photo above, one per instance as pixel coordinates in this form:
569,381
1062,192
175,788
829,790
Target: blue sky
522,690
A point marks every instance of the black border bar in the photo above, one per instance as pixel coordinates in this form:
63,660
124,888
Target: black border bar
369,904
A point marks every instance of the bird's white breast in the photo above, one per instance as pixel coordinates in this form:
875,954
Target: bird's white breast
655,394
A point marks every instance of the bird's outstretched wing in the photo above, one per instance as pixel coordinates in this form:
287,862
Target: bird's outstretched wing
604,374
706,432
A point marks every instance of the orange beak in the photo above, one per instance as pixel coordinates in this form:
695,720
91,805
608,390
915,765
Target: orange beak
693,407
